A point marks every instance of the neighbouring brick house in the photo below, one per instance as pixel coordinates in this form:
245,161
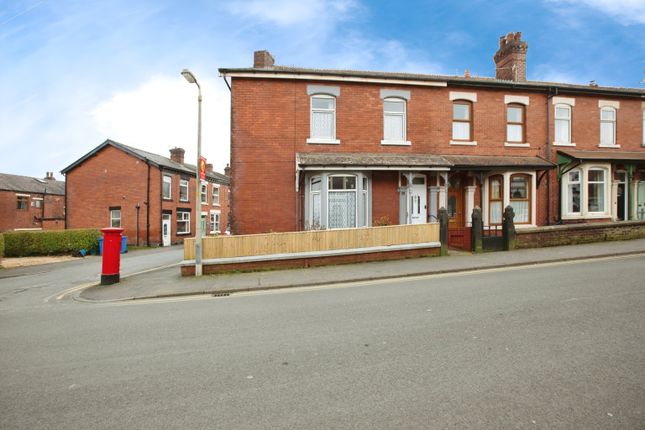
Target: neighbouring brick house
28,203
315,148
150,196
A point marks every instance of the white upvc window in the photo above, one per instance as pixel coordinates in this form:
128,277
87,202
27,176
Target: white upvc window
215,194
183,222
36,202
608,126
462,121
337,200
586,192
563,125
203,193
215,222
315,202
183,190
394,121
323,119
341,205
115,217
167,187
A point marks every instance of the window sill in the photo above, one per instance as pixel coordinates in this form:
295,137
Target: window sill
320,141
608,146
167,199
594,215
563,144
464,142
396,142
184,201
183,234
517,145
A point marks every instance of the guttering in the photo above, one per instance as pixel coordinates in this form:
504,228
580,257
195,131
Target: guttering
375,168
342,78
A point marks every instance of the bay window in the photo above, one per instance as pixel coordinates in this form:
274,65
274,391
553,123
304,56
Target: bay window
573,192
520,198
337,200
585,192
596,190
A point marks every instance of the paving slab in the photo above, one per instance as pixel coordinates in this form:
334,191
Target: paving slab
168,282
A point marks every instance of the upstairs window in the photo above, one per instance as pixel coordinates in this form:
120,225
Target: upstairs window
563,124
394,123
608,126
204,194
167,187
23,202
183,190
515,123
36,202
215,194
323,117
462,121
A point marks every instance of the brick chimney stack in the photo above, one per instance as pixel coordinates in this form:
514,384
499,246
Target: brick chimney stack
209,167
510,58
49,176
263,60
227,170
177,155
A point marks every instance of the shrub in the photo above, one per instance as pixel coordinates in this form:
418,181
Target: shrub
58,242
1,246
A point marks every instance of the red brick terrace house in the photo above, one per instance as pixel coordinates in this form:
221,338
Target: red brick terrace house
315,148
150,196
28,203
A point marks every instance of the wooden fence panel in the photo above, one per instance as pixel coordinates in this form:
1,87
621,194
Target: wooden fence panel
311,241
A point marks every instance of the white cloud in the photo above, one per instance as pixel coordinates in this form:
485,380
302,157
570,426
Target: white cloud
625,11
162,113
290,12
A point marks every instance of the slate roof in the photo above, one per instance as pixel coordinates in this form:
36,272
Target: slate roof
28,184
154,159
450,79
388,160
604,155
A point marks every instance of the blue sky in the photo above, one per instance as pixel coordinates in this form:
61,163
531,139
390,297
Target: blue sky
77,72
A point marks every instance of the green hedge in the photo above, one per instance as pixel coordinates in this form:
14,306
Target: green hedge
57,242
1,246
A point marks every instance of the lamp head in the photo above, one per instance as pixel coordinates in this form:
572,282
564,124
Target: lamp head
189,76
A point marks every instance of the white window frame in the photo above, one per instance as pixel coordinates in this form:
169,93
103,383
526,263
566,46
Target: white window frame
184,183
113,218
568,120
167,179
203,193
215,194
25,198
37,202
315,224
465,101
613,123
325,140
506,187
403,115
363,198
584,198
215,219
185,217
567,196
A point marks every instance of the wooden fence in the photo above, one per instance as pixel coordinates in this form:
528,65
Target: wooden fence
311,241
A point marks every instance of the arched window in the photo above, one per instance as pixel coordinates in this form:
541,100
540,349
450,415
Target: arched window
563,124
495,199
323,117
520,198
573,191
462,120
394,121
515,123
608,126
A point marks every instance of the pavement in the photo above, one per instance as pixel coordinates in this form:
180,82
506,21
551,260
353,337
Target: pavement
167,281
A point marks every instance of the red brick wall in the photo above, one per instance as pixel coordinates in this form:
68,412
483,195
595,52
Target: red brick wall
270,123
11,218
113,178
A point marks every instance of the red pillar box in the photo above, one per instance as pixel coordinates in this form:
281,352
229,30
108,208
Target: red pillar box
111,255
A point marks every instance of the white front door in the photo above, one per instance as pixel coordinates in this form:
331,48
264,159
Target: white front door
418,200
165,229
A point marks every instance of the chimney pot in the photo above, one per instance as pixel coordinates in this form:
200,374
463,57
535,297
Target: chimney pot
263,60
177,155
227,170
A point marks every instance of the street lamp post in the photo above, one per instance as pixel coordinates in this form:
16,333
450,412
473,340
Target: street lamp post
198,208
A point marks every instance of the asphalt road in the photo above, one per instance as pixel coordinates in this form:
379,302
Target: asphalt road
555,346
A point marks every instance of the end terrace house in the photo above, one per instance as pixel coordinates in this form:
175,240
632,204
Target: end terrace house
150,196
318,148
28,203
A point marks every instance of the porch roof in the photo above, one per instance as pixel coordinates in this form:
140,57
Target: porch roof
371,161
604,155
490,162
